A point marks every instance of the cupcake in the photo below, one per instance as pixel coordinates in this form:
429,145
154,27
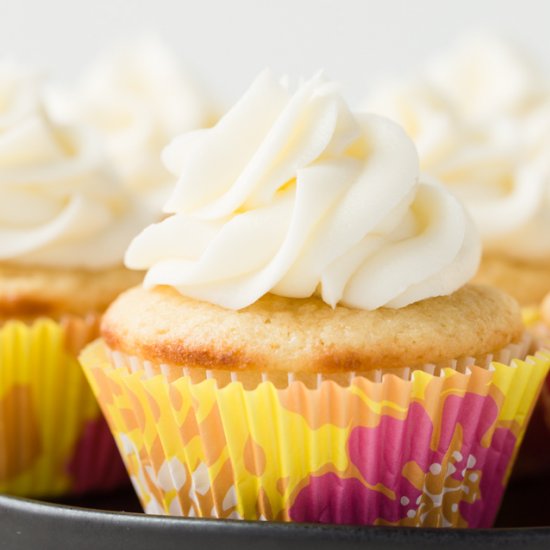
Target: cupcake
480,116
64,224
137,96
304,346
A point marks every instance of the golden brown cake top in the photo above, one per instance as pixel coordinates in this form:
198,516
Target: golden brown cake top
286,334
28,292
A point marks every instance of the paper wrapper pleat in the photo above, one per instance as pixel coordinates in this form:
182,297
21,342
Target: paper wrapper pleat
53,437
541,332
430,447
533,460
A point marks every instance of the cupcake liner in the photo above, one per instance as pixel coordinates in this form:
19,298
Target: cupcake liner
541,334
53,438
429,447
533,459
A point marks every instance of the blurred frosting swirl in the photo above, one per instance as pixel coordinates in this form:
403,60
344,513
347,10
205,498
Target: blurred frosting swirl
60,205
291,193
480,118
138,98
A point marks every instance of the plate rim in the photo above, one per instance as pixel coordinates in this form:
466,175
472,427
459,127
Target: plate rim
33,507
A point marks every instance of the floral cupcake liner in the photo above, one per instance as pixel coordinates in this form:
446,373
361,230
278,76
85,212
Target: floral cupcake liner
430,447
541,333
53,437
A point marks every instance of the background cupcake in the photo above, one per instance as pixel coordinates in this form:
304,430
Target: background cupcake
480,117
304,348
64,224
138,97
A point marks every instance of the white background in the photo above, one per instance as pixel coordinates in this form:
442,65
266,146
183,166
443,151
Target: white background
228,41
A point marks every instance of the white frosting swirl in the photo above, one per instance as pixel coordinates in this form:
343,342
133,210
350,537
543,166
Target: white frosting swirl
485,76
479,117
59,203
138,98
425,114
293,194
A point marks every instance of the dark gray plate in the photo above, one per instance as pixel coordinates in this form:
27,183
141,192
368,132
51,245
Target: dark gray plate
32,524
44,526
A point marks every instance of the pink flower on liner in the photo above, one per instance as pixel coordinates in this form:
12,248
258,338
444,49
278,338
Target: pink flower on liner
332,499
431,485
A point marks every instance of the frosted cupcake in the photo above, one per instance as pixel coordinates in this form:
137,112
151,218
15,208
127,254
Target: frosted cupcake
64,225
480,116
304,347
138,97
